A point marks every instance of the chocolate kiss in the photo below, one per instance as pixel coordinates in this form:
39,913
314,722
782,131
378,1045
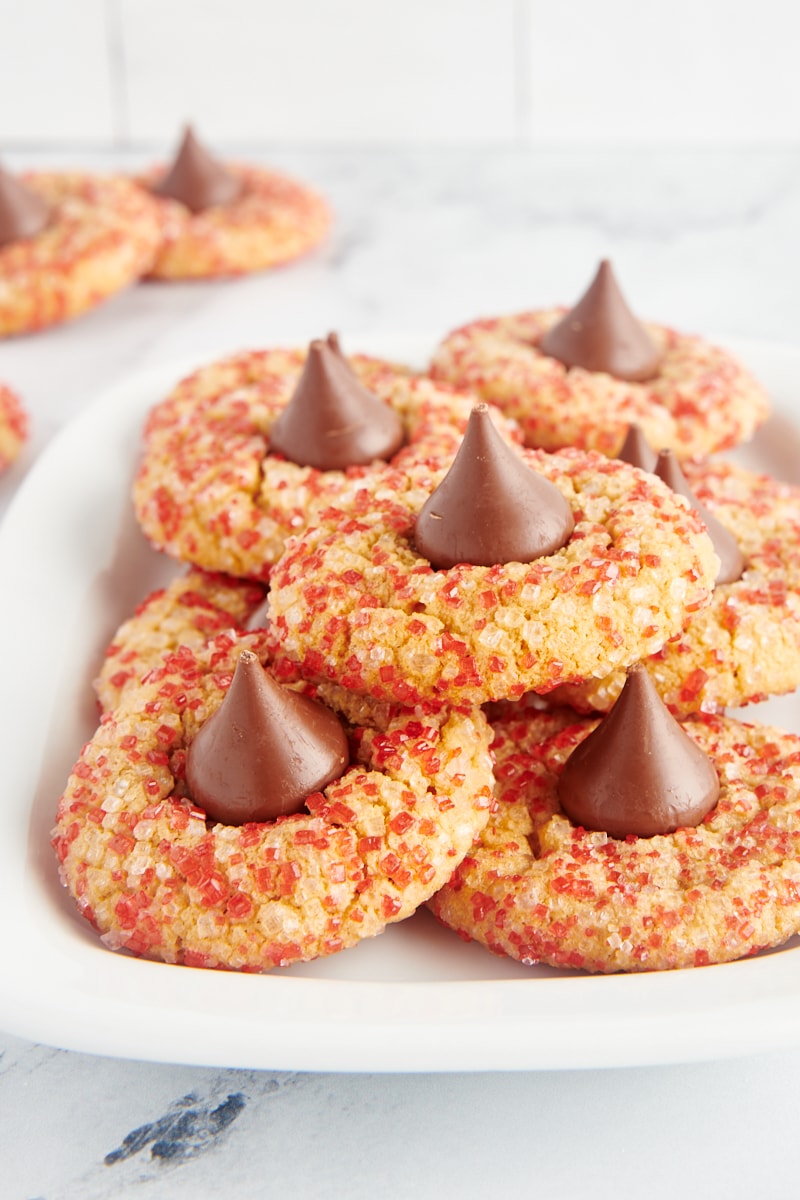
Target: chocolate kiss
731,561
637,771
637,451
23,212
601,334
491,507
332,421
264,750
198,179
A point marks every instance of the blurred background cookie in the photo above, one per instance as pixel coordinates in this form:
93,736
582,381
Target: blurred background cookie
69,240
578,378
230,218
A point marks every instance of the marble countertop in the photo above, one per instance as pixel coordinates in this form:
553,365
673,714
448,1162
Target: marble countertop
703,239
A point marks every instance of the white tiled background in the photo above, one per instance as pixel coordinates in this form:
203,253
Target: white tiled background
366,72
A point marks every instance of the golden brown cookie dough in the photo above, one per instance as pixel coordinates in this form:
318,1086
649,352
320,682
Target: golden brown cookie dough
702,399
102,236
155,878
539,889
208,490
352,601
13,426
189,611
274,219
745,645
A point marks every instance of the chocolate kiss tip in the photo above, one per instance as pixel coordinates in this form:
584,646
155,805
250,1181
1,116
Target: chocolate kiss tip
601,334
197,179
23,212
332,421
491,507
638,772
731,560
264,750
637,451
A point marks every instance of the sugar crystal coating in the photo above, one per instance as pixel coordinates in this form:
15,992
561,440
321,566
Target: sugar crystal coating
539,889
352,601
152,877
745,645
209,492
701,401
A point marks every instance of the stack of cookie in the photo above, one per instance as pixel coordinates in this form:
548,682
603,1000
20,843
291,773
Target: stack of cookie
381,680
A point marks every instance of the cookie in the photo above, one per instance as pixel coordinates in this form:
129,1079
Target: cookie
209,491
13,426
540,889
96,236
195,607
695,398
745,645
157,879
230,219
354,601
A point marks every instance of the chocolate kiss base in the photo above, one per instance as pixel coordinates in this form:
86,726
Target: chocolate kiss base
731,560
23,212
638,772
264,750
332,421
197,179
491,507
601,334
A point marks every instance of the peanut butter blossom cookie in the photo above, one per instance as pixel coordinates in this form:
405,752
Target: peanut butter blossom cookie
580,378
249,450
13,426
745,645
69,240
230,219
634,842
520,570
218,818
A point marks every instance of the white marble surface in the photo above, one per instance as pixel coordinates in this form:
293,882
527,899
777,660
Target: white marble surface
706,240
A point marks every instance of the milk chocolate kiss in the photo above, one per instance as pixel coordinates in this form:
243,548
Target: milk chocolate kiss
332,421
601,334
728,552
637,451
638,772
264,750
198,179
491,507
23,212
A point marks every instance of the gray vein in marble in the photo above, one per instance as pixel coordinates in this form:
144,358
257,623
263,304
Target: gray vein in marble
192,1126
188,1128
